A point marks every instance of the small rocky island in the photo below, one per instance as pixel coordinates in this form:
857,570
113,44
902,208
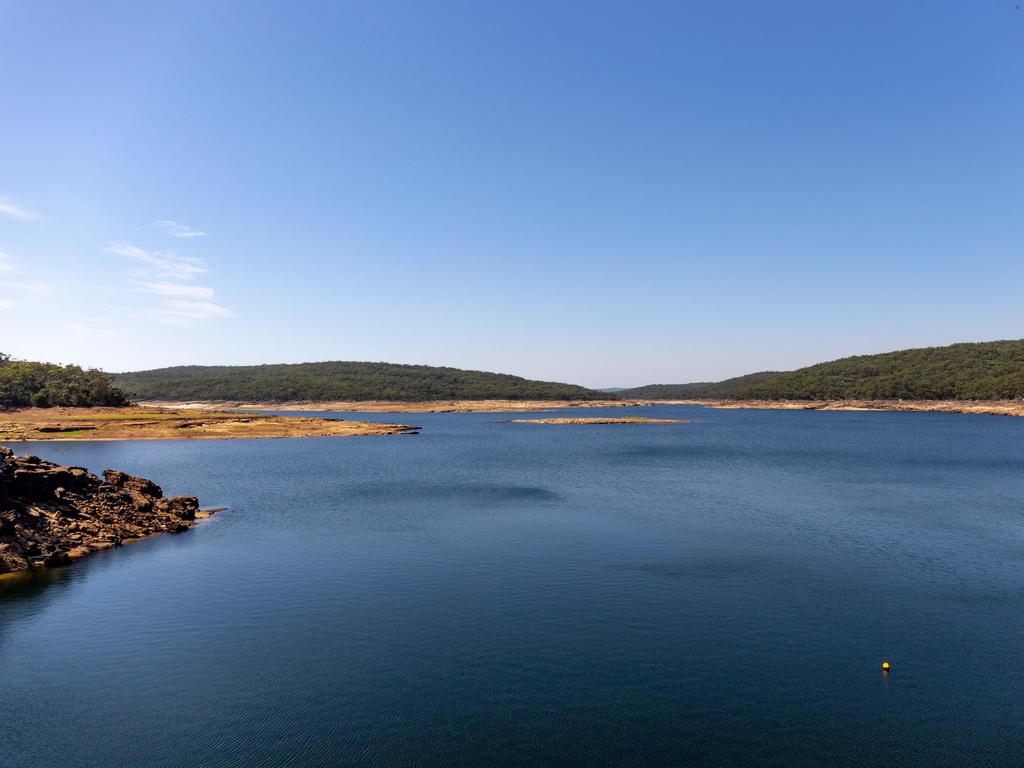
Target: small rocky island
51,515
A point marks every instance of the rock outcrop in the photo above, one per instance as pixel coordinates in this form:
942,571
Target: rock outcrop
50,515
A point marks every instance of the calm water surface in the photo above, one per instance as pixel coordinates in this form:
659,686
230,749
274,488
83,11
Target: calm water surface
720,593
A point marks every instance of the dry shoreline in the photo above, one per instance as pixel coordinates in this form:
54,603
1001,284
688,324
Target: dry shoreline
991,407
400,406
997,407
134,423
210,421
599,420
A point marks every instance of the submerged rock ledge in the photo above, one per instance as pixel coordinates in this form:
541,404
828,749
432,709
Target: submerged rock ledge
50,515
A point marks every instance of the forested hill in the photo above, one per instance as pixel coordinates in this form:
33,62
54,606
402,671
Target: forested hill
339,381
704,390
27,384
991,370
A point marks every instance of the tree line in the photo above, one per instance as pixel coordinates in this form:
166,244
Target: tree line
991,370
42,385
340,381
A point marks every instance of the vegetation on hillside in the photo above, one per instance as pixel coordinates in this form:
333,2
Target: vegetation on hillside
991,370
42,385
703,390
985,371
982,371
339,381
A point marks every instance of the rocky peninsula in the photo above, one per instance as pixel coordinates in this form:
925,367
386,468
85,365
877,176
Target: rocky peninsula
51,515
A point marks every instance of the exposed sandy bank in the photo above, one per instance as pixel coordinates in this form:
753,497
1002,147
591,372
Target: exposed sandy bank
994,407
599,420
172,424
388,406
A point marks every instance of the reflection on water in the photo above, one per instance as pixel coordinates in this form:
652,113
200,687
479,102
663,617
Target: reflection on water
30,584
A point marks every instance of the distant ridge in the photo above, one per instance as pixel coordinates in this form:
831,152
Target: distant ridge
339,381
703,390
992,370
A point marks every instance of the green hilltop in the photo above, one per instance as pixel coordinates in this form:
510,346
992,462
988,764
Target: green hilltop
992,370
976,371
339,381
41,385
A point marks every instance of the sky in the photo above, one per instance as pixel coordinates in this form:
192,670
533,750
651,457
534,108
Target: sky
609,194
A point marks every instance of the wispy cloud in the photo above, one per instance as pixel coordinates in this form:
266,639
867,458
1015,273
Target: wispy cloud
165,264
7,264
166,274
176,229
9,209
181,312
34,287
7,269
178,290
100,329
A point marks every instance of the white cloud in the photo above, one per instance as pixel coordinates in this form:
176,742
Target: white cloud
181,312
174,229
30,287
7,264
178,290
165,264
96,329
7,208
12,277
7,268
170,276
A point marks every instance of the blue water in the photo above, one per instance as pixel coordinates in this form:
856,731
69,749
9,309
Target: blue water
719,593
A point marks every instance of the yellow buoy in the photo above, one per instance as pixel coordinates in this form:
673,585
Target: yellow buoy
885,666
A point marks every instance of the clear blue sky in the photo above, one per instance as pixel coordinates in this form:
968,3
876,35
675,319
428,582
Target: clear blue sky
602,193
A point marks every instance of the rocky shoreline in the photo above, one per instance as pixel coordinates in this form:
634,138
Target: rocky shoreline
51,515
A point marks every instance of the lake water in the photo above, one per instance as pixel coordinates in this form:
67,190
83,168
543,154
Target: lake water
719,593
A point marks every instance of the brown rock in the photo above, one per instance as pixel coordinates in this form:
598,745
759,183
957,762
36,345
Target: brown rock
51,515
